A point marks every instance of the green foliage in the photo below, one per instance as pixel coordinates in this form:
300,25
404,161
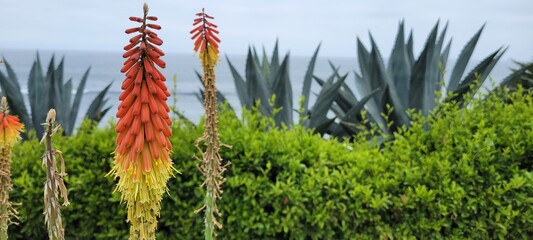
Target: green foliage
469,176
49,91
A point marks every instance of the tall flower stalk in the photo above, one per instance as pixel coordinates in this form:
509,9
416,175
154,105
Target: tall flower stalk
10,129
54,184
142,161
206,44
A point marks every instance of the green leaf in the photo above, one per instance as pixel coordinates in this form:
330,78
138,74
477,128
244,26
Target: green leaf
62,108
324,126
77,101
425,76
363,58
256,85
328,93
518,75
96,110
308,78
353,115
274,63
266,71
409,49
37,92
372,103
241,86
283,91
67,100
400,68
462,61
379,74
444,56
346,97
479,74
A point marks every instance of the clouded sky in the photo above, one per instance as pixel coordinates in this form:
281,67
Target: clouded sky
300,25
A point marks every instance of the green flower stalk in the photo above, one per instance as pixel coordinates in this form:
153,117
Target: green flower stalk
54,185
10,129
142,155
206,44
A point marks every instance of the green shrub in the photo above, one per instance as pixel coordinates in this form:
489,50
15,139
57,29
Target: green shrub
469,176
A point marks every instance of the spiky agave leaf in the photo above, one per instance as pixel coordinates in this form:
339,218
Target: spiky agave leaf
308,79
477,76
261,83
318,119
258,90
69,128
422,78
96,110
38,95
425,75
462,61
282,89
400,68
523,75
142,161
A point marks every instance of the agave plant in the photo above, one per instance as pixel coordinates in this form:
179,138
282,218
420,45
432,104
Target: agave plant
348,109
407,82
522,75
262,81
268,79
50,91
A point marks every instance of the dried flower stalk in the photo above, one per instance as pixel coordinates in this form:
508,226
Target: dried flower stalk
54,185
142,155
10,129
206,44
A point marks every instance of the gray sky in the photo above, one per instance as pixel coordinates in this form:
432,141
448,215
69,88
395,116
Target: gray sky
300,25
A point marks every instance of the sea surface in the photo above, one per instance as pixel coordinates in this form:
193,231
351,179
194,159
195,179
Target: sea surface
105,69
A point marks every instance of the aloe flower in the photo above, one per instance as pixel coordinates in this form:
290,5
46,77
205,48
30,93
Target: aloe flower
54,184
10,129
206,44
142,161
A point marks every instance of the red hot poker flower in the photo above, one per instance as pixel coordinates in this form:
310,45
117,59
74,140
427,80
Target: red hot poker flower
142,160
206,43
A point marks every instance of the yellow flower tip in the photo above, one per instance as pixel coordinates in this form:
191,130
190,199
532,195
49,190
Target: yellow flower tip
4,103
142,192
145,8
209,57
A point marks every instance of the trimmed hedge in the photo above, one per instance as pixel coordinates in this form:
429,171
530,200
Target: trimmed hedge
469,176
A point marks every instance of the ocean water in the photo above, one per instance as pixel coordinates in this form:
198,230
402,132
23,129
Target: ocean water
105,69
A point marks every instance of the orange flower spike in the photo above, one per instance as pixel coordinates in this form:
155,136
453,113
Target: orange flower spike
206,44
205,39
142,160
10,126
